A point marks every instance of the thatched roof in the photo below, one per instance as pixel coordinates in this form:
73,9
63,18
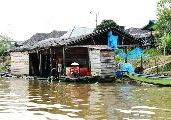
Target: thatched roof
26,45
42,36
76,39
70,36
78,36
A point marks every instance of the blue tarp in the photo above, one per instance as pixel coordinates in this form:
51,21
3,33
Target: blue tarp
127,67
133,54
112,40
121,53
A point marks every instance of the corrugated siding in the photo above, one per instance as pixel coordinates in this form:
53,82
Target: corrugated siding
19,63
95,62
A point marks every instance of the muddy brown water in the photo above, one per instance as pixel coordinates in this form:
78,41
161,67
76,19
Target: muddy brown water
41,100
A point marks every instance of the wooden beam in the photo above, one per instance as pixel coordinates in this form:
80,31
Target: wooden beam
40,63
126,51
64,66
51,59
89,59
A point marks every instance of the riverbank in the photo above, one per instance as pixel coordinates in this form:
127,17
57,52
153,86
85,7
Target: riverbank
152,80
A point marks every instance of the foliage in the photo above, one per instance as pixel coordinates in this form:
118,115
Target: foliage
163,24
5,63
4,44
106,24
167,67
118,59
4,47
152,52
166,43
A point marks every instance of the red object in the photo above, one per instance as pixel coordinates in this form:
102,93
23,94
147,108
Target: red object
75,71
83,71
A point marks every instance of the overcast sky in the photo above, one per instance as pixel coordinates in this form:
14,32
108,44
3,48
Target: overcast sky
20,19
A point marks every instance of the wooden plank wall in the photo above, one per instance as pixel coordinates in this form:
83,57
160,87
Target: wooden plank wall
107,63
19,63
95,62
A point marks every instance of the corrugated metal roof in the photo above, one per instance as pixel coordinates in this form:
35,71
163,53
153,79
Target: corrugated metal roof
76,32
70,36
74,36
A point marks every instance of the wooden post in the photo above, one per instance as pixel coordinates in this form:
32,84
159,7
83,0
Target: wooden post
40,63
157,67
51,59
64,66
126,52
141,62
89,65
122,40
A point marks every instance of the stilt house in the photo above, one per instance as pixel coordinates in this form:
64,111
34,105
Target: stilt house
90,50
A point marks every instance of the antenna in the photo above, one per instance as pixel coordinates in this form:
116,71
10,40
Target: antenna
71,32
96,13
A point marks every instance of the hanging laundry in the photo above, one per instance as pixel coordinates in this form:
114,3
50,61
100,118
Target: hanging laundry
112,40
136,54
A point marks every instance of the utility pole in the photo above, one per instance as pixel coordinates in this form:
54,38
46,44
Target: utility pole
96,19
96,14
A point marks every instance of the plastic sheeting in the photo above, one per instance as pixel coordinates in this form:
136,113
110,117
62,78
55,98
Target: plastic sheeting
127,67
133,54
121,53
112,40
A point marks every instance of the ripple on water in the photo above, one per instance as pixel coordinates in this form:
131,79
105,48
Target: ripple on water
9,95
70,110
33,116
135,111
51,97
31,96
72,115
143,107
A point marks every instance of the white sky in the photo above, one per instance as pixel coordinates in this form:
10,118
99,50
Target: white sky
20,19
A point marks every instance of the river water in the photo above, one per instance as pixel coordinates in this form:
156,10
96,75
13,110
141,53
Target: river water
41,100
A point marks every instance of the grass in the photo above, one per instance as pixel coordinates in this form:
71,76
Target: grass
155,81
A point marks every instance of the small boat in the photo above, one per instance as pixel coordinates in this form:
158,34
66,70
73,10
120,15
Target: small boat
155,80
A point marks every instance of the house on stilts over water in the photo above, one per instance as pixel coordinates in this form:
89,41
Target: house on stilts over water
91,51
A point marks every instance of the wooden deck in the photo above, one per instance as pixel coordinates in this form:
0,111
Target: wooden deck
85,79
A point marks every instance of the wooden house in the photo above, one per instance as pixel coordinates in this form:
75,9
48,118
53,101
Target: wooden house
20,56
95,58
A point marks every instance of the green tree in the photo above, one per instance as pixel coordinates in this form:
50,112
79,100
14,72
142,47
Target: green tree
106,24
166,43
4,47
4,44
163,25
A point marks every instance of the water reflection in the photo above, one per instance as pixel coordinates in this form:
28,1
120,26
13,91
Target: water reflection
41,100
